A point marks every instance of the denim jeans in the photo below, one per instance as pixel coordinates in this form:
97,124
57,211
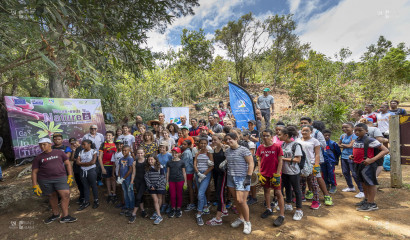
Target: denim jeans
128,195
328,171
201,190
347,168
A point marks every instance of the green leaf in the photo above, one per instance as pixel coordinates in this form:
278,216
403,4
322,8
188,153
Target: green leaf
51,126
56,128
35,124
43,126
47,60
66,42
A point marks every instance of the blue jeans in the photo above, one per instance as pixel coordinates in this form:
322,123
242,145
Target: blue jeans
328,170
1,174
347,168
128,195
201,191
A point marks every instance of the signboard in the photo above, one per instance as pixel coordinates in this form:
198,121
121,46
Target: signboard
405,139
173,114
241,105
33,118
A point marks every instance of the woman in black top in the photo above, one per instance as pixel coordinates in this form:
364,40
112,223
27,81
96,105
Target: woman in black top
137,178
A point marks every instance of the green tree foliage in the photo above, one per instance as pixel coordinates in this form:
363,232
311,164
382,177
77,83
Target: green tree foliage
196,49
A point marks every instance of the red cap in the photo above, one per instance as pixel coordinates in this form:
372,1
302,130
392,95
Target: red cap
176,149
203,127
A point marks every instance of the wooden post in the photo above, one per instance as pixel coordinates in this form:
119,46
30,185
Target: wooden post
395,160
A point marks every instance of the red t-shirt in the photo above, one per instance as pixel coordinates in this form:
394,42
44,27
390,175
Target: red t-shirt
108,150
358,149
50,165
183,139
269,159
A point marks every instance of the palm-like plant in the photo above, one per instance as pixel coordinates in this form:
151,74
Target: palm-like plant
46,130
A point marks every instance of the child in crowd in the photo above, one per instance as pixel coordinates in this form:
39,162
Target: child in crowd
163,157
107,150
173,131
166,138
270,169
189,168
279,126
346,142
86,160
156,183
58,144
137,177
185,136
127,137
124,178
176,178
252,147
149,145
139,137
292,156
203,165
118,133
365,157
331,155
115,159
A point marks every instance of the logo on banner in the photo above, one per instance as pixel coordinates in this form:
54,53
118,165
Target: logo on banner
18,101
175,120
241,104
50,101
38,102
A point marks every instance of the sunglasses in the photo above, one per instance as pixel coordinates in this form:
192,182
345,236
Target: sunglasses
92,128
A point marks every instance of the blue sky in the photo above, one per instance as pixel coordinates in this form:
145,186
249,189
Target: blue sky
328,25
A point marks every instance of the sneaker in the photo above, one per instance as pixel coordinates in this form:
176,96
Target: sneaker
144,214
315,205
163,208
206,211
214,222
109,198
333,190
234,210
171,214
83,206
154,216
96,204
237,223
190,207
303,198
132,218
252,201
288,207
309,195
178,213
361,203
359,195
327,187
114,199
278,221
199,220
298,215
266,213
328,200
228,204
100,183
80,201
68,219
349,189
51,219
158,220
225,214
128,213
247,227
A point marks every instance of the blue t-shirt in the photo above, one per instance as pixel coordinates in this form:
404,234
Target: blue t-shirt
125,162
163,159
346,140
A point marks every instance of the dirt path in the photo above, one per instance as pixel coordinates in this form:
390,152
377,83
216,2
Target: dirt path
340,221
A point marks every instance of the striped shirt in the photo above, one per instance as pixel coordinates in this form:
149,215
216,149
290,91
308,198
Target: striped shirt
202,162
237,165
156,179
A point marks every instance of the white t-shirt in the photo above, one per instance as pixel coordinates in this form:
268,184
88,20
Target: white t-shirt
116,159
309,148
195,150
128,140
290,168
383,121
86,157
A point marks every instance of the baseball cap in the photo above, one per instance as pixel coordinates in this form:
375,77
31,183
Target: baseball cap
72,140
204,127
119,141
184,127
266,90
252,121
176,149
44,140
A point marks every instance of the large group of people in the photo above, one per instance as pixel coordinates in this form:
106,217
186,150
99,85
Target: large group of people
163,159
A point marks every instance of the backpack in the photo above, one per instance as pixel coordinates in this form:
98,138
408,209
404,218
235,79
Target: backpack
305,167
366,147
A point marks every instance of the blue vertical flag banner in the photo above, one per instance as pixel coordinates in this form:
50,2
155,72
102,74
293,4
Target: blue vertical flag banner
242,106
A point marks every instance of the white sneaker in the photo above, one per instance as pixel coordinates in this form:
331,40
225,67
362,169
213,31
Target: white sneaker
247,227
359,195
349,189
237,223
298,215
288,207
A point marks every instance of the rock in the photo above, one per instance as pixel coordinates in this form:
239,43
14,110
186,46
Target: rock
26,171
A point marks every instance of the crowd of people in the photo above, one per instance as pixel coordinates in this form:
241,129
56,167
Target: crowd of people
160,159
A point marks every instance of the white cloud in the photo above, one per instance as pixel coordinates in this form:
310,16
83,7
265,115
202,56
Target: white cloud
357,24
293,5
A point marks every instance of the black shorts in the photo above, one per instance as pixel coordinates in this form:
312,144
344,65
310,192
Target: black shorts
380,161
108,169
48,186
366,174
385,135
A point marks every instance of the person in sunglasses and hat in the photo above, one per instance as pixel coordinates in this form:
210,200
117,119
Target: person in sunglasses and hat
266,103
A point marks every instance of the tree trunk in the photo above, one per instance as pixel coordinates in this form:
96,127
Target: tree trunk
58,88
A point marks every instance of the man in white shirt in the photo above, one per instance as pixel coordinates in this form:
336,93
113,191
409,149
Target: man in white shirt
383,120
183,122
265,103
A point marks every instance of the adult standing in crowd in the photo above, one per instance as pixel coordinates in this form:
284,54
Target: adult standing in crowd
394,108
213,124
162,122
97,139
194,130
266,103
135,127
183,122
49,177
368,113
383,120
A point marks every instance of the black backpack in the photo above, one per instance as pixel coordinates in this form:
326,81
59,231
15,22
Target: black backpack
366,147
303,157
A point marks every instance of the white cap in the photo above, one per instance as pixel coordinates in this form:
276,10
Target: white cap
93,126
45,140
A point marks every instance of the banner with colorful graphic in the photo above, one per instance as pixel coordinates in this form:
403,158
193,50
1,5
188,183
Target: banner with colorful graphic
242,105
173,114
33,118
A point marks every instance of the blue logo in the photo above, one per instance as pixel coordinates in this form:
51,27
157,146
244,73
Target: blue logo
38,102
19,101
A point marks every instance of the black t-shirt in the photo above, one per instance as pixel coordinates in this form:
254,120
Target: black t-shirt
219,157
175,170
139,170
76,168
